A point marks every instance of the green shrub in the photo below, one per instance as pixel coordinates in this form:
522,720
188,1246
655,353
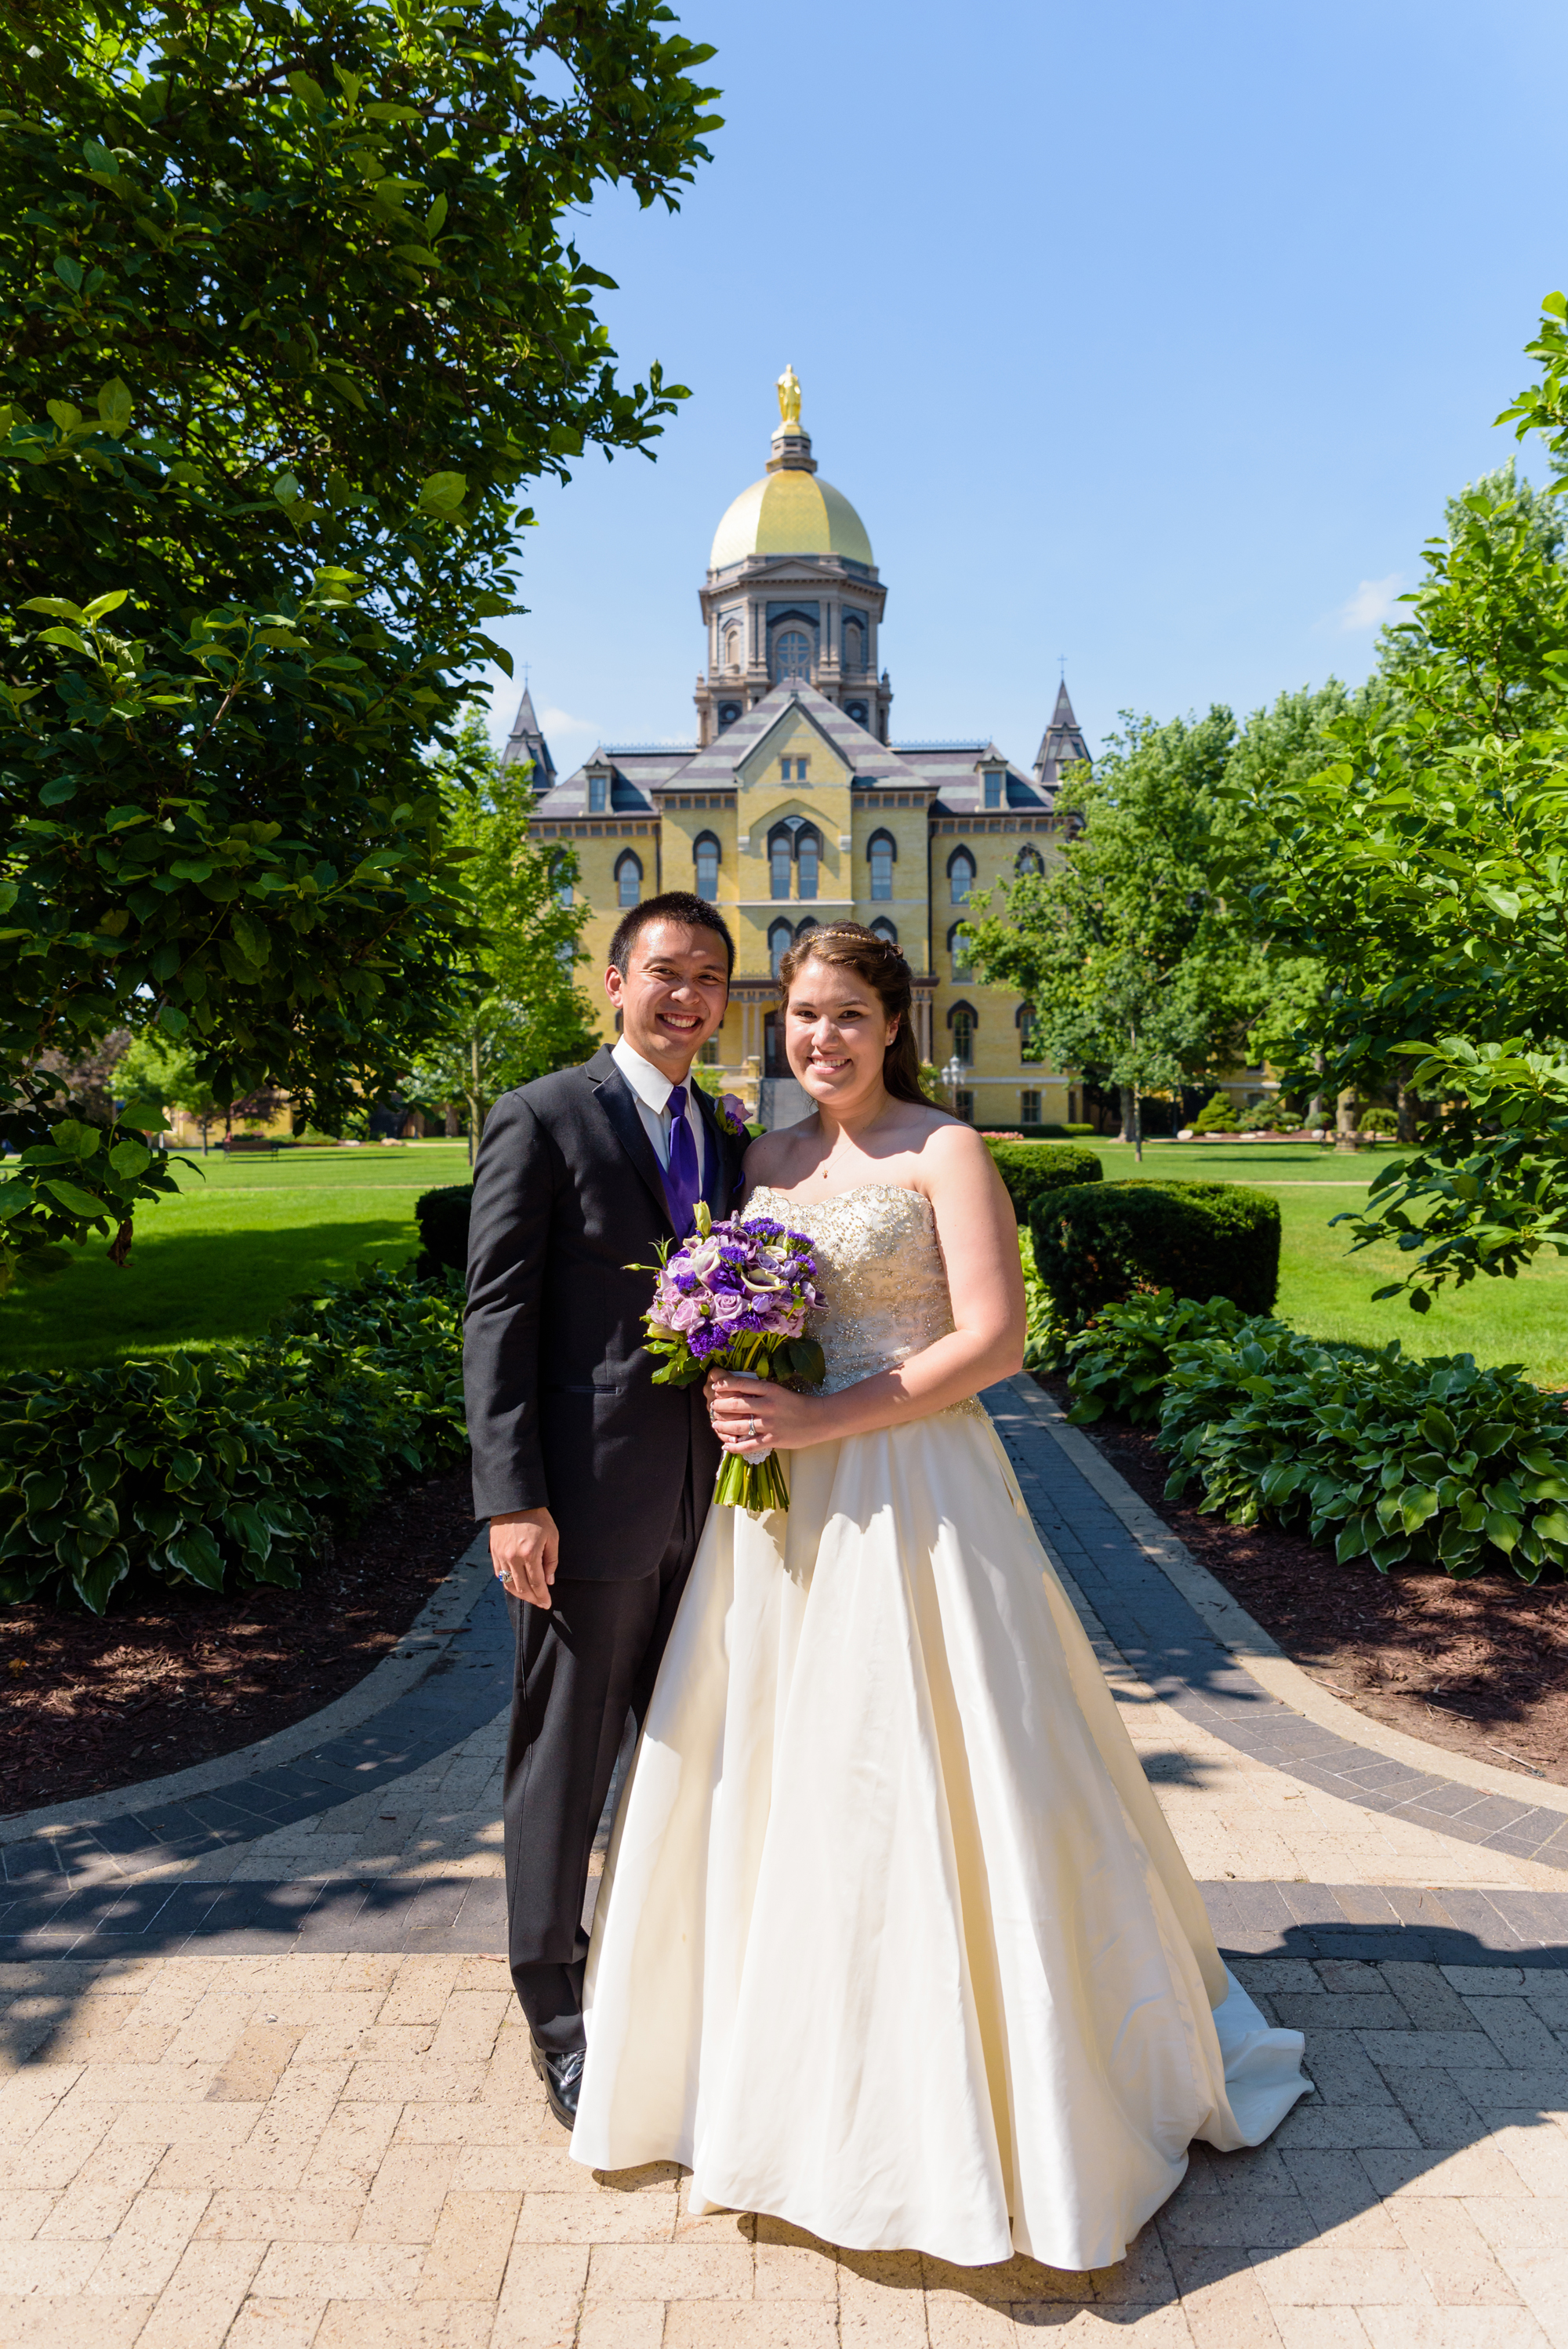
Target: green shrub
1405,1462
196,1467
1379,1120
1120,1363
443,1219
1046,1334
1218,1115
1097,1244
1032,1169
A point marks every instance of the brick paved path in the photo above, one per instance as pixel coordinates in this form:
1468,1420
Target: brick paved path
281,2098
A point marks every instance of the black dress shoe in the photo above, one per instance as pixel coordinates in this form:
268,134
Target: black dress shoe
563,2076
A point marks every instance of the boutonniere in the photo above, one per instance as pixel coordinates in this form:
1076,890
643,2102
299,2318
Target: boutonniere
731,1113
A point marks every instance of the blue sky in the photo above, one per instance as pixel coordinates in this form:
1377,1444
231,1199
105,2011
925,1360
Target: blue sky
1147,334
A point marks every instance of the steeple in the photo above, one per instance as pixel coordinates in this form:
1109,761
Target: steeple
526,742
1062,744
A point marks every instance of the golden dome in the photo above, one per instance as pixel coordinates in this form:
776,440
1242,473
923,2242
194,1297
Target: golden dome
789,511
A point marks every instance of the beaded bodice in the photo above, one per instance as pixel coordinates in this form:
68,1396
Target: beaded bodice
881,1273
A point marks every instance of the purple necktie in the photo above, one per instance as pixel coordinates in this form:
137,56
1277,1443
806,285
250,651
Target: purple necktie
683,1186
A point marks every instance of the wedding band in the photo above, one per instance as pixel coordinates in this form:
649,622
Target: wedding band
754,1430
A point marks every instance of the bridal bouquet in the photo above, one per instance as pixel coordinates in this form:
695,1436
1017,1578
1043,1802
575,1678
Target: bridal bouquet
735,1298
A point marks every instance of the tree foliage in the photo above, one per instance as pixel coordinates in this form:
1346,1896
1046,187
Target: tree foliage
1140,968
517,1011
289,318
1427,870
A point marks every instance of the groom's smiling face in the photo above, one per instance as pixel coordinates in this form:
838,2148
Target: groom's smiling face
673,994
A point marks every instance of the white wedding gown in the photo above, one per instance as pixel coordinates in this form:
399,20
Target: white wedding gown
895,1942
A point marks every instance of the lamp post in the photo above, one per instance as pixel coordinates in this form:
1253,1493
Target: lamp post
953,1077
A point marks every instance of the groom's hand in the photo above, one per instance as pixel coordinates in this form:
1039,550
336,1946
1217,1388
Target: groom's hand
525,1546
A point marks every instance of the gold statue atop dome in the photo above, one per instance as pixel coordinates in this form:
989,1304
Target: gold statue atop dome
789,400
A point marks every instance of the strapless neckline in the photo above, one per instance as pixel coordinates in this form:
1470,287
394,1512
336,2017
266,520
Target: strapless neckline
829,1198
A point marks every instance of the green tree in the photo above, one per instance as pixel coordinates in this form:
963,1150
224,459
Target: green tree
158,1075
290,315
1141,969
1426,869
518,1012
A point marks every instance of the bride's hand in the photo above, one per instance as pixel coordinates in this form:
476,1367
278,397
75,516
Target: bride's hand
748,1411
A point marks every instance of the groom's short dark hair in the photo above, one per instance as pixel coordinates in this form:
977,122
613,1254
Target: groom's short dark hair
674,906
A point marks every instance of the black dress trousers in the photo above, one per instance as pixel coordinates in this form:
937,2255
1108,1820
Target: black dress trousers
583,1664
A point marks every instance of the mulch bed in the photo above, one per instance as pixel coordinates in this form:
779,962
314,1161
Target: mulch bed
169,1678
1479,1667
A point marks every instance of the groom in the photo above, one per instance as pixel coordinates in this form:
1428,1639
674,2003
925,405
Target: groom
595,1481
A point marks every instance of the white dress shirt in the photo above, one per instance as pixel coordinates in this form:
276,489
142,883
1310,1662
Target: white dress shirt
651,1089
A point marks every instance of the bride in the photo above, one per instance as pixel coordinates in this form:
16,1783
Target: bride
895,1942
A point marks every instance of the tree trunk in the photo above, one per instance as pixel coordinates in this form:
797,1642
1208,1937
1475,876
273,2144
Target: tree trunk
1138,1124
1314,1106
1410,1111
1128,1105
476,1100
1347,1111
454,1121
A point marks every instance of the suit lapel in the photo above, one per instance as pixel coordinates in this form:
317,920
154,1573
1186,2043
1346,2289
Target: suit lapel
619,1104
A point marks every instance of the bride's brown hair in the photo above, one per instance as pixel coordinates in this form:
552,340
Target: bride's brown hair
850,946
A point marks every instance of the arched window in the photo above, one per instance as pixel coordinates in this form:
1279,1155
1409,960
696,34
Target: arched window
959,950
964,1019
1028,1039
780,938
628,879
883,928
793,656
564,893
881,848
808,854
854,646
961,875
1029,860
804,929
704,856
781,855
731,654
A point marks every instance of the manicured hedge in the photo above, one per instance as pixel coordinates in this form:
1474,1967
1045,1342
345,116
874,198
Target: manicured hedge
1097,1244
1031,1170
1405,1462
443,1219
233,1465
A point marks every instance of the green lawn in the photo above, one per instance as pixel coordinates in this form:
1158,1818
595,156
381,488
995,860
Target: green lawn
1327,1292
247,1233
217,1262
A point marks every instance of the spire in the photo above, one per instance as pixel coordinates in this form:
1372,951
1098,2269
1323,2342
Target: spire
1062,744
526,742
791,450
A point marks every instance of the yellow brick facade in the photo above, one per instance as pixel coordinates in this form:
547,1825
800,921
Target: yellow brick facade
795,777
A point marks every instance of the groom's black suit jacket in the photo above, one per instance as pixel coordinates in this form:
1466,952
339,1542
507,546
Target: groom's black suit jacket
563,1414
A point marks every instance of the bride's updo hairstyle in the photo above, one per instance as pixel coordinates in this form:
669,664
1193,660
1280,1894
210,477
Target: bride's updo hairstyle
850,946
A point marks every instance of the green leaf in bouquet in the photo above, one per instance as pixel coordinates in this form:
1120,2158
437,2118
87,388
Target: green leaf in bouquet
802,1358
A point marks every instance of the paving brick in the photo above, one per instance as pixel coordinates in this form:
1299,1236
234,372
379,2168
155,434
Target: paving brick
405,2199
468,2257
204,2295
1520,2038
1313,2277
264,2324
95,2321
703,2324
1452,2328
250,2216
328,2272
385,2324
1471,2169
541,2297
1455,2258
1223,2301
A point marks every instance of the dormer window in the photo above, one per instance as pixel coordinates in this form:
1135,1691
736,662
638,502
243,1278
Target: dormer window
598,794
996,785
793,769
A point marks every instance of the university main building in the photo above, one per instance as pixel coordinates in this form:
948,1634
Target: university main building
796,806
